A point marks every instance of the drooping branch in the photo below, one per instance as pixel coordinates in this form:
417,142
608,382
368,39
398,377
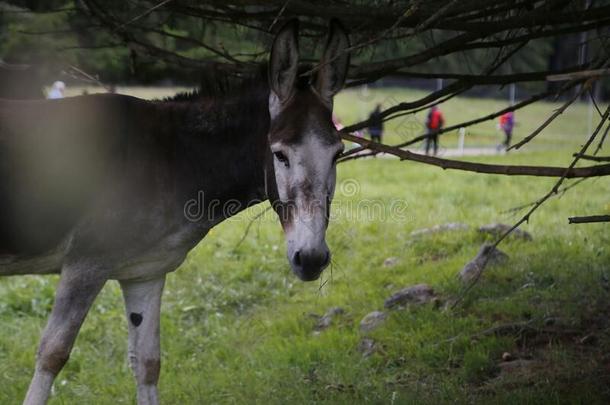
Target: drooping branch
473,24
560,192
439,96
584,88
482,30
571,73
507,170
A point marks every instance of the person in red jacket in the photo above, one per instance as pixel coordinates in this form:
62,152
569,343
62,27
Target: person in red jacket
434,123
507,122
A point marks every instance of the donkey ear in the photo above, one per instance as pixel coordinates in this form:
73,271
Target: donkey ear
284,60
335,62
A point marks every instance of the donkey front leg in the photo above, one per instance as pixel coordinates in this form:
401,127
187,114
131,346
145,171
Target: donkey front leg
143,306
75,293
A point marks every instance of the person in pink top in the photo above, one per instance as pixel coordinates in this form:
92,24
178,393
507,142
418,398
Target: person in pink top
507,123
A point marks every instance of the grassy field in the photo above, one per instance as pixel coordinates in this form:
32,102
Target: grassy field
239,328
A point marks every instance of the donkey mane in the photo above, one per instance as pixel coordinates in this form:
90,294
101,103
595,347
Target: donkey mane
219,84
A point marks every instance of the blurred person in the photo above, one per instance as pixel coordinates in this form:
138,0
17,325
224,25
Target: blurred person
434,123
376,124
507,123
57,90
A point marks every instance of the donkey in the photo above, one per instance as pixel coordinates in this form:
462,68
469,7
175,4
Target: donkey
108,187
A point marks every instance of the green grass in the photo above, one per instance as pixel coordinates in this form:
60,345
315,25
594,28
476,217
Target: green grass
237,326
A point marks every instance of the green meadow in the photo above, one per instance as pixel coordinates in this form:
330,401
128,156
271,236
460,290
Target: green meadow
238,328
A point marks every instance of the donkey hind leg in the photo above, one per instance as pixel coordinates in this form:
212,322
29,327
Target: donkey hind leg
75,293
143,306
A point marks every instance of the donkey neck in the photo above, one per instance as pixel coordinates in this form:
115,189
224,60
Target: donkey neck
223,150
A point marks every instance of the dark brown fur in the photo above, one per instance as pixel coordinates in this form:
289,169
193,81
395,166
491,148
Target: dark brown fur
116,172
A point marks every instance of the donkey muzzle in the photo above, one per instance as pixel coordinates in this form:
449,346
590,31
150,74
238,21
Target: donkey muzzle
309,264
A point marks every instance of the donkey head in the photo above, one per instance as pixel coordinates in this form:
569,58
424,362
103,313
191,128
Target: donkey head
304,145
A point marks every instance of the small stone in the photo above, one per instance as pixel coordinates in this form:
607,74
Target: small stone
500,229
326,320
390,262
488,254
417,294
506,356
372,321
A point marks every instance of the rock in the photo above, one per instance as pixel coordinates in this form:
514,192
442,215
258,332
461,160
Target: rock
367,347
452,226
372,321
496,256
328,317
499,229
488,254
417,294
390,261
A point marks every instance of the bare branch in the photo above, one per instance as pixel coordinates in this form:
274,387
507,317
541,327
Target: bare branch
578,75
142,15
507,170
559,194
585,87
555,188
593,158
589,219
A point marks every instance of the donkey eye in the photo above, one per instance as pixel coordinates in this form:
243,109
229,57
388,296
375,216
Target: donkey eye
282,158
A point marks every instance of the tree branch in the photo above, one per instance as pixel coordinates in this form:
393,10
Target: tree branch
593,158
585,87
589,219
507,170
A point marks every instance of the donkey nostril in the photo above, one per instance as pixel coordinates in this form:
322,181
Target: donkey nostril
297,258
326,259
